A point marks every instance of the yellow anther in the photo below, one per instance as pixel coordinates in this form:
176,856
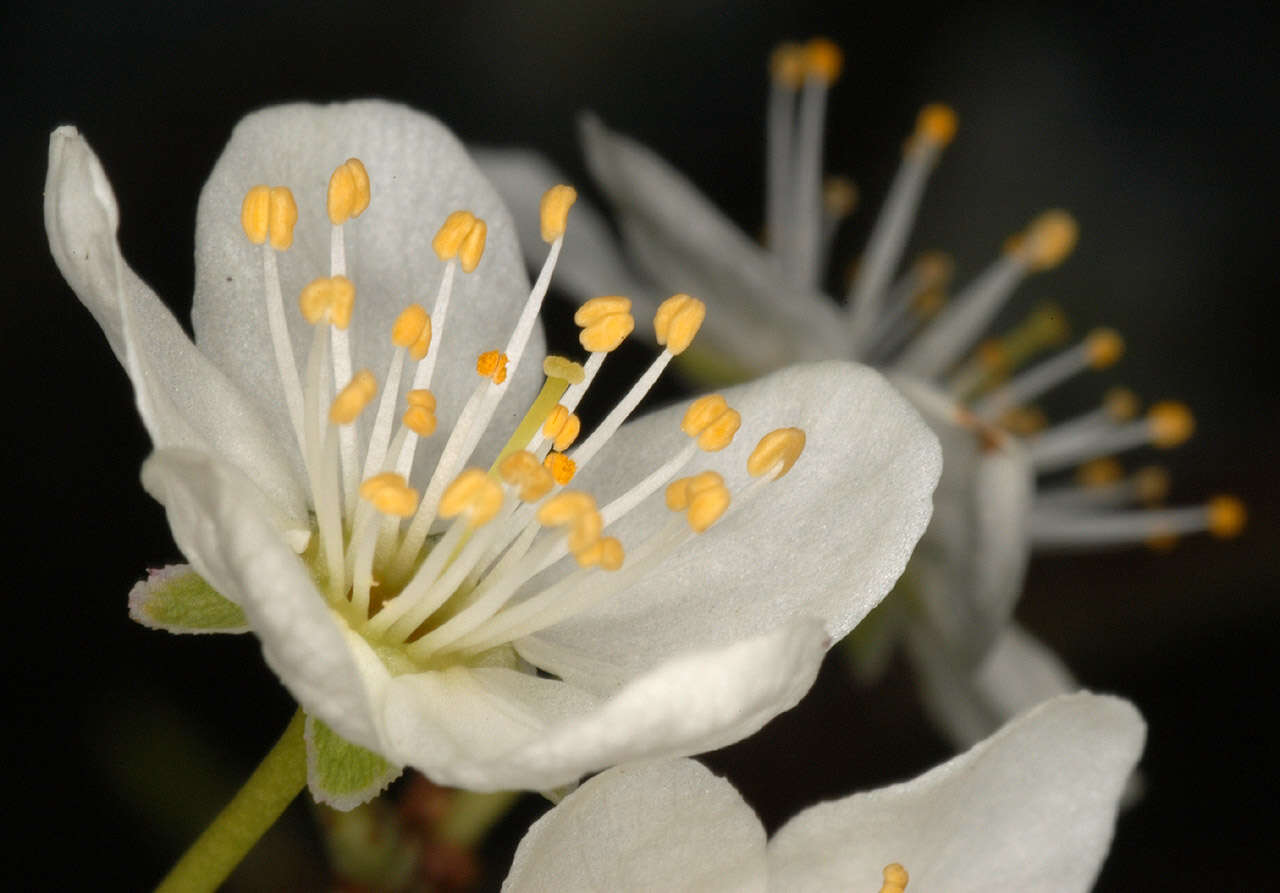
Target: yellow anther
1104,347
553,210
681,491
706,506
608,333
562,468
348,191
719,434
678,319
605,553
1048,240
352,399
390,495
895,879
409,326
934,268
929,302
255,213
585,530
562,428
492,364
475,493
702,412
787,64
778,449
420,418
563,368
522,469
1226,516
1170,422
448,239
597,309
1100,472
269,212
936,124
1120,404
283,214
472,247
823,60
839,196
1151,484
565,507
1024,420
329,298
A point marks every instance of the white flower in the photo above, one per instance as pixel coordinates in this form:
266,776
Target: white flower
420,643
768,310
1031,808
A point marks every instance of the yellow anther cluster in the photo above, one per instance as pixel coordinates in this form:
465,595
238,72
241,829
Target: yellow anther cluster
328,299
420,417
412,330
1104,347
936,125
1099,472
522,469
1121,404
562,468
1047,241
787,64
678,319
778,449
492,364
839,196
1227,516
1151,484
553,211
564,369
462,236
823,60
605,553
577,511
390,494
348,191
712,422
1024,421
562,428
605,321
702,497
473,494
895,879
269,212
1170,422
352,399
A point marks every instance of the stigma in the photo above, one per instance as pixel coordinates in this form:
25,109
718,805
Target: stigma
438,569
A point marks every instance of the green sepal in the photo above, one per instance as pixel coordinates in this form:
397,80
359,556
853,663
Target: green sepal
178,600
341,774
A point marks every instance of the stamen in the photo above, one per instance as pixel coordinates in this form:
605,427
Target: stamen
328,299
562,428
523,470
703,498
787,71
895,879
823,61
492,364
472,247
1101,484
935,128
420,417
559,373
348,191
1223,517
776,452
411,329
839,198
353,398
606,322
474,495
1047,242
448,239
553,211
562,467
1100,349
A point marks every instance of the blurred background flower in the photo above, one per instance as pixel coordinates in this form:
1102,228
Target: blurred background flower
1150,122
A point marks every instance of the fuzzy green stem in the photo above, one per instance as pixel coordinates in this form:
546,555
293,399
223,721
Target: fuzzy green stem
471,815
279,778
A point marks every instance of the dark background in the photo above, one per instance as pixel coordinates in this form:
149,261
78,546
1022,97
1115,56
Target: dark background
1153,123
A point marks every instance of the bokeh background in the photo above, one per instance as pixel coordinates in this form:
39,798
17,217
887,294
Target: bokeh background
1152,122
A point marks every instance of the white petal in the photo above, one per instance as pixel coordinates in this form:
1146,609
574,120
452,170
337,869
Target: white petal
1030,809
685,244
496,729
652,826
968,570
969,704
211,513
827,541
184,400
590,263
419,173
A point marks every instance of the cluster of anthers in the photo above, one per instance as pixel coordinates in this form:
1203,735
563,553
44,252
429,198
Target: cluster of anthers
907,325
424,597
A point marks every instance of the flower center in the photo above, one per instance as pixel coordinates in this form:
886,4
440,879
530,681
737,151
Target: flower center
438,575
